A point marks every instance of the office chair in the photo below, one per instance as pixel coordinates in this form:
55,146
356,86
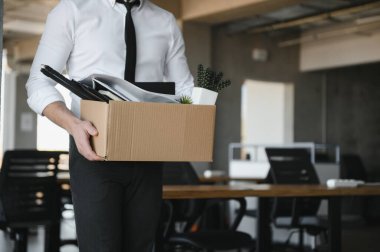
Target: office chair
28,194
293,166
188,212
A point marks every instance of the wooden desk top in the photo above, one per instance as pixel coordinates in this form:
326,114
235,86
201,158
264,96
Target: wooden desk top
65,178
263,190
226,179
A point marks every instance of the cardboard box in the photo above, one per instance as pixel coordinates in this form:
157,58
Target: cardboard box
134,131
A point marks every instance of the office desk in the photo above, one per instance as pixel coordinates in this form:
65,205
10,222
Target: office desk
226,179
264,192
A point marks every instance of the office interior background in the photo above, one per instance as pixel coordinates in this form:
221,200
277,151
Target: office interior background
314,63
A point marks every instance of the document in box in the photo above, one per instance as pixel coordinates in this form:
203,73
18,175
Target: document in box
100,87
128,91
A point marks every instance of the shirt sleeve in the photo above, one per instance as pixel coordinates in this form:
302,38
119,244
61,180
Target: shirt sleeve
177,69
54,49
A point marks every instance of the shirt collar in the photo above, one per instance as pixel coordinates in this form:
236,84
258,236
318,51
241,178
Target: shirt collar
113,2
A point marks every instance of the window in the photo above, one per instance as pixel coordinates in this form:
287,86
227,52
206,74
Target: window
49,135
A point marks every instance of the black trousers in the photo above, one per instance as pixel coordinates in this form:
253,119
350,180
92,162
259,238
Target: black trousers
117,204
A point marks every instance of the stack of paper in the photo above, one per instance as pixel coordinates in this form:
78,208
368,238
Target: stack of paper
100,87
127,91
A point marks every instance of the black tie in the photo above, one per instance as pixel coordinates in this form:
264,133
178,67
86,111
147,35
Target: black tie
130,41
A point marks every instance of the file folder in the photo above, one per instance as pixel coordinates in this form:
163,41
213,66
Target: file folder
81,90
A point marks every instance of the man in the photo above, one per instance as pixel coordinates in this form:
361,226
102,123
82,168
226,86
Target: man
116,204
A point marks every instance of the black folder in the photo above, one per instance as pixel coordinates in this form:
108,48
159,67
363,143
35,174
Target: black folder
83,91
158,87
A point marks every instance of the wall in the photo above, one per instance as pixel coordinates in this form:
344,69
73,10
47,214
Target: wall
351,118
24,138
352,111
232,55
339,50
198,45
222,11
307,100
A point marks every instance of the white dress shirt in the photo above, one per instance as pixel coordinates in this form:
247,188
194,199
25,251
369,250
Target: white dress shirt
87,37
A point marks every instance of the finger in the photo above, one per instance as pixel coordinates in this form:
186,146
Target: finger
91,156
91,129
89,153
99,158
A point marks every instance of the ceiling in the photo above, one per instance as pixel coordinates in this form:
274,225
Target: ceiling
25,18
312,14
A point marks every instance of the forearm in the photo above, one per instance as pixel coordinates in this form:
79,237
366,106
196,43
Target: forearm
58,113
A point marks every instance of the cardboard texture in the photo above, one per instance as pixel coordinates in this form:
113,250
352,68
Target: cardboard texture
136,131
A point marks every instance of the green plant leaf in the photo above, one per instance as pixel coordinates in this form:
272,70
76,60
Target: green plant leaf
209,79
185,100
200,78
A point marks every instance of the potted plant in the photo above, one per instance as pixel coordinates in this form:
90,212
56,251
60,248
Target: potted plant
185,100
210,84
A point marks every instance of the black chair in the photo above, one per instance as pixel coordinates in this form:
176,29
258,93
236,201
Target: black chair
29,195
293,166
182,215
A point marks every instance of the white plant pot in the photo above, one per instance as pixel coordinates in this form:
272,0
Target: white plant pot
203,96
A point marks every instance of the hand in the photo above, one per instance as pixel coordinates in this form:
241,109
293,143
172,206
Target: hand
81,132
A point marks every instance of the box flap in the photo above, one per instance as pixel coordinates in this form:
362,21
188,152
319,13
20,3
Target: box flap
96,113
142,131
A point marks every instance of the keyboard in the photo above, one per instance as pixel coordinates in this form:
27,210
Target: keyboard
344,183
